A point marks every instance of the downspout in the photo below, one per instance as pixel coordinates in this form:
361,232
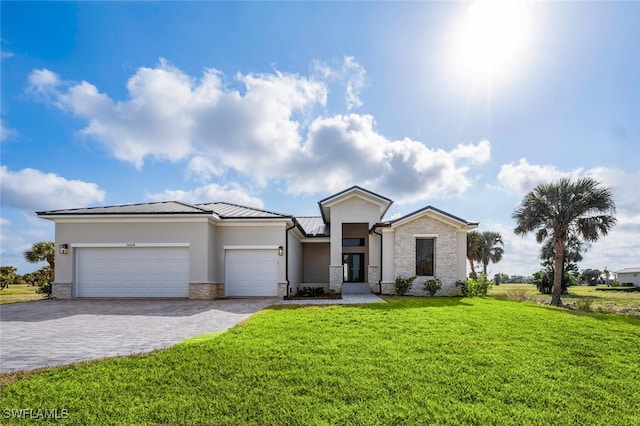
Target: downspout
286,257
380,280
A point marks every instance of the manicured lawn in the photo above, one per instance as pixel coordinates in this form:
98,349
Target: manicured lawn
19,293
605,300
411,361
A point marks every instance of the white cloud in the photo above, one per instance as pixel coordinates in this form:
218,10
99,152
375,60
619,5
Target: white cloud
269,131
477,154
210,193
521,178
202,168
31,190
350,73
345,150
5,132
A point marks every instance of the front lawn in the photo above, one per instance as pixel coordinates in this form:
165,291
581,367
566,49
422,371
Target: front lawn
411,361
608,301
19,293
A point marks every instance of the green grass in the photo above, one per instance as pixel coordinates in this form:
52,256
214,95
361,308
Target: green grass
412,361
19,293
603,300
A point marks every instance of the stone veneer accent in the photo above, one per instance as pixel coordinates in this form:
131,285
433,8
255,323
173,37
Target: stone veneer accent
282,289
206,291
388,288
446,265
61,290
336,276
373,278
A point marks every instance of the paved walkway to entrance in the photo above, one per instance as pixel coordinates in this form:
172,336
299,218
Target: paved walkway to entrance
57,332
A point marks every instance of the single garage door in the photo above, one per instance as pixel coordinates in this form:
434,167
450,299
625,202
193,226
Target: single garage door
132,272
251,272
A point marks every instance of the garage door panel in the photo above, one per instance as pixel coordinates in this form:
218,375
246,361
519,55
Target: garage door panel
251,273
133,272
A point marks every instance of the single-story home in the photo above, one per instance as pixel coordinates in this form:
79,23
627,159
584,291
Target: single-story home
206,251
629,276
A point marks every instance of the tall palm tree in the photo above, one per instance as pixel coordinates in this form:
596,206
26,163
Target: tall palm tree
563,208
42,251
473,250
490,250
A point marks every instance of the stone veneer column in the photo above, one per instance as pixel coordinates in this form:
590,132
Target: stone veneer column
373,278
61,290
335,278
206,291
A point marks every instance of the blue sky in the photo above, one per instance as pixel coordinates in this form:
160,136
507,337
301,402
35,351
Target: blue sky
462,106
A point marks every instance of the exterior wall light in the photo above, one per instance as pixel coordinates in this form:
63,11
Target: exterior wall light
64,248
280,251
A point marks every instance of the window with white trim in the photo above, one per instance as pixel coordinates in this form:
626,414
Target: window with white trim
425,257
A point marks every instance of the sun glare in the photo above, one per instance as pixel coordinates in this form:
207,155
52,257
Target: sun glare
490,39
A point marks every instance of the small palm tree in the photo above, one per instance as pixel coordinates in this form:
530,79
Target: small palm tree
564,208
490,250
474,239
42,251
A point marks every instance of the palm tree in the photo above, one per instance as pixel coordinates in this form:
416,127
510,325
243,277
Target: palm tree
563,208
490,250
473,250
42,251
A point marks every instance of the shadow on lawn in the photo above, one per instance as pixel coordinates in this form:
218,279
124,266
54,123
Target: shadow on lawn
392,303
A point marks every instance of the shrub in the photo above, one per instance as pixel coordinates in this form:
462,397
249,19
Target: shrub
311,291
403,285
44,288
432,286
475,287
584,305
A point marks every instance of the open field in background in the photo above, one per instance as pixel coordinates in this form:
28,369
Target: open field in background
410,361
19,293
606,301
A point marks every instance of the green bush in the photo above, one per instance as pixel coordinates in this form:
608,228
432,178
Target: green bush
585,305
475,287
311,291
432,286
44,288
403,285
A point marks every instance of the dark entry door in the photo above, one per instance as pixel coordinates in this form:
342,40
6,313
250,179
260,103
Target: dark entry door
353,267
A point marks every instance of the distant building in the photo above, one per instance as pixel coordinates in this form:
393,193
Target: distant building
629,276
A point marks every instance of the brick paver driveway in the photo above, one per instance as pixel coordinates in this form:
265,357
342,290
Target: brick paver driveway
56,332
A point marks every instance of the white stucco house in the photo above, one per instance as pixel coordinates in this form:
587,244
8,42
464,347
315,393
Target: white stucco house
629,276
205,251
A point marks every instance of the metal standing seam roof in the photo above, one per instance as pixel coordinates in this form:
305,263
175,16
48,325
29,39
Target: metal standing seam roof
427,208
223,210
236,211
313,226
629,270
162,207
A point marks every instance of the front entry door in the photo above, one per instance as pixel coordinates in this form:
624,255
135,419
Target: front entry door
353,267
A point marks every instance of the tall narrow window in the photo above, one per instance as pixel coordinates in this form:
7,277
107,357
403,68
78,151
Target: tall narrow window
425,257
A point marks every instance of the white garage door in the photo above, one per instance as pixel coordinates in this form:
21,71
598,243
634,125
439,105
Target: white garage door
251,273
132,272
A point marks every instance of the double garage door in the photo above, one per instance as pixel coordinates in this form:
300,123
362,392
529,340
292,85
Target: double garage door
164,272
132,272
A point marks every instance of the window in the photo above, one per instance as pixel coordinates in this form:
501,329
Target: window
425,257
353,242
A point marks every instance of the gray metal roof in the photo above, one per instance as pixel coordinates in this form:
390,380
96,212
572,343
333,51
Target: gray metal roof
235,211
163,207
313,226
629,271
431,208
